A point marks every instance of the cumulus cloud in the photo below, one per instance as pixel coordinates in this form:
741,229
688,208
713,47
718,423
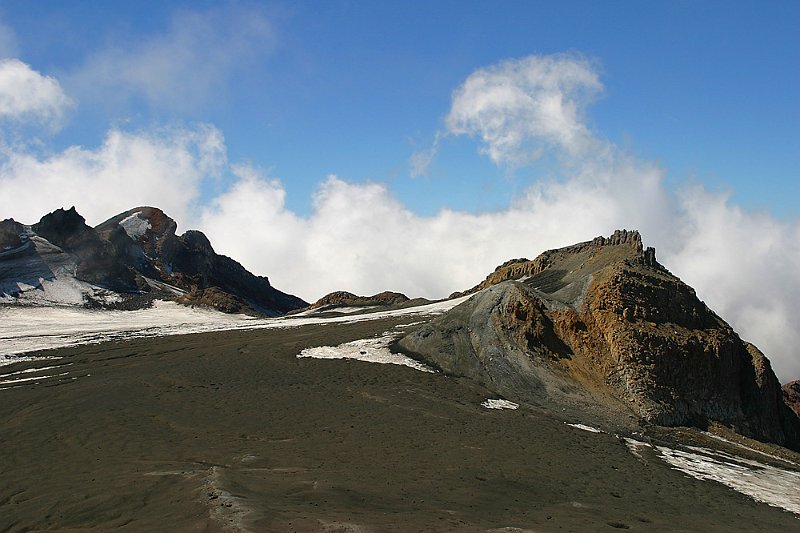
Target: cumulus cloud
521,107
164,168
28,96
181,68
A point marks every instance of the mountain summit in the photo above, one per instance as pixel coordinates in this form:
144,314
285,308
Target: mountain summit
602,327
126,262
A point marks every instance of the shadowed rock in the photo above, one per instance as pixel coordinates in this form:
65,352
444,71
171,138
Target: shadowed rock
10,234
146,238
97,258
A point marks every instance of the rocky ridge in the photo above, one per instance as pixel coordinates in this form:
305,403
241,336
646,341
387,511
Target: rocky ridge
601,326
128,261
348,299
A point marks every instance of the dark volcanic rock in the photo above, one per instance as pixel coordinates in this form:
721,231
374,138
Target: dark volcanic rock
146,238
345,299
603,318
10,234
97,257
138,255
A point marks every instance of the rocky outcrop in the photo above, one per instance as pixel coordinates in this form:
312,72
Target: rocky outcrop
602,323
216,298
97,257
11,233
791,395
519,269
348,299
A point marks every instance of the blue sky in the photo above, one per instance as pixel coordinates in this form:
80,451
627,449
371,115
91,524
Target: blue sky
707,89
414,146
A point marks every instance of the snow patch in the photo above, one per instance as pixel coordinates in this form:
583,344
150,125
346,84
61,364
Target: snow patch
409,325
375,350
135,226
47,277
585,427
32,378
27,329
31,370
765,454
636,447
499,404
764,483
348,310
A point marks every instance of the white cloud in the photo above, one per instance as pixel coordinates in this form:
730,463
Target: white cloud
181,69
163,168
26,95
521,107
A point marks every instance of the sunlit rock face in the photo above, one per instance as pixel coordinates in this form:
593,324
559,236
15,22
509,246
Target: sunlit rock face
602,323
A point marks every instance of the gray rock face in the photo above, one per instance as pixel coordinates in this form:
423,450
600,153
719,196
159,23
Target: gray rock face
599,323
138,255
504,339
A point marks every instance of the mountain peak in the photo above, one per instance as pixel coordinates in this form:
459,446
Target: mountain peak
602,325
142,224
137,255
622,245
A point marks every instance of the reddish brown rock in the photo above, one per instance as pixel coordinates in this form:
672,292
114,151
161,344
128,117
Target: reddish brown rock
348,299
791,395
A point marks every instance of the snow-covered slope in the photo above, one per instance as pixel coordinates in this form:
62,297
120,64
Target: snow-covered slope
28,329
41,273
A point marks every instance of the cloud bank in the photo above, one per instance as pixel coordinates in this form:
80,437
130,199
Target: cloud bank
165,168
28,96
359,238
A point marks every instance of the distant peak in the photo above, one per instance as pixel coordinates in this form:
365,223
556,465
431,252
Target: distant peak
63,219
140,223
344,298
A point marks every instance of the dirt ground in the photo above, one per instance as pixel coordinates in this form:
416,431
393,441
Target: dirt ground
230,431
